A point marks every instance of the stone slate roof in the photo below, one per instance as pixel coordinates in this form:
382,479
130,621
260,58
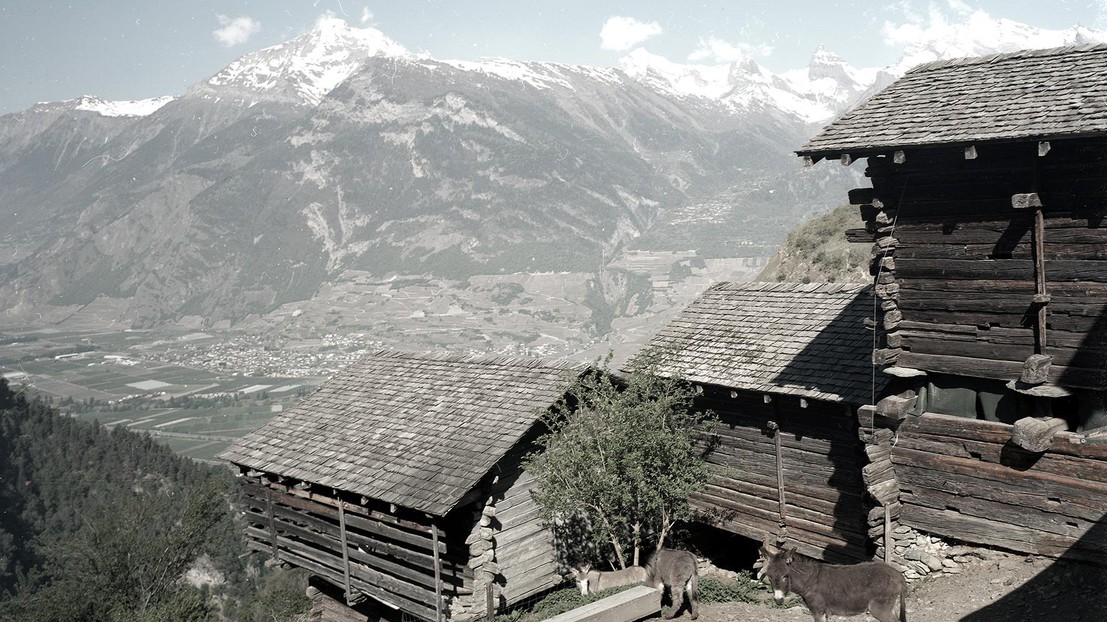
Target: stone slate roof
807,340
1028,95
419,431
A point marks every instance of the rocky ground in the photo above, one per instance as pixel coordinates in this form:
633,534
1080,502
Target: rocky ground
1001,587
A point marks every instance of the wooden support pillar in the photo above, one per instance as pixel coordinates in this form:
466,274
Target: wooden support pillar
781,507
438,575
1040,281
345,552
489,602
272,524
1032,201
888,543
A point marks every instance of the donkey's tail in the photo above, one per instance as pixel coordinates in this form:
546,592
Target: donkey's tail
903,605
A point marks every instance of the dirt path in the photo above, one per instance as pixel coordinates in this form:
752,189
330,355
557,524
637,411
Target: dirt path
1001,588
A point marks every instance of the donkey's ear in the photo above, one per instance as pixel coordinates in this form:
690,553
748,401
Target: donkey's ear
788,553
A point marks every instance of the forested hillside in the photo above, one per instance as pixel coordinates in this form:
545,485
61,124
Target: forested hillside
816,251
99,524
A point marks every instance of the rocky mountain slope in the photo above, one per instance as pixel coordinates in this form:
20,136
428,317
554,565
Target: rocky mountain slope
341,151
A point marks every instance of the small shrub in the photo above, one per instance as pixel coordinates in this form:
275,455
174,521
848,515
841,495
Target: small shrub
744,589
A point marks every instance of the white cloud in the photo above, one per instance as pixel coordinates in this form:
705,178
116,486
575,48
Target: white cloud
719,51
235,31
933,26
366,15
622,33
1100,12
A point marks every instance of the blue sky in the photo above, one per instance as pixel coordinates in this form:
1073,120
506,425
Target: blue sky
134,49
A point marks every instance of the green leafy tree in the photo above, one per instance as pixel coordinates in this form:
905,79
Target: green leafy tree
126,561
621,456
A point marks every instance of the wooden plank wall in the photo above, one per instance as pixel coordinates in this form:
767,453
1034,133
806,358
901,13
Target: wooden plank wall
822,462
524,547
954,265
390,559
962,479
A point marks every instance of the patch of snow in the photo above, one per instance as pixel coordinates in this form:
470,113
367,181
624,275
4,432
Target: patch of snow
131,108
710,81
979,35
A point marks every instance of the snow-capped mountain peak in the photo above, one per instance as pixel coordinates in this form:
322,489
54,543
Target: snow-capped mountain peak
685,80
979,35
131,108
306,68
745,85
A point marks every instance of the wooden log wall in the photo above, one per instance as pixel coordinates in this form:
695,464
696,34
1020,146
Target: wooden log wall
387,557
822,460
962,478
511,553
954,265
523,544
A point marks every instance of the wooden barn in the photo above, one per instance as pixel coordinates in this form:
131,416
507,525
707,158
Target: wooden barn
785,366
399,483
989,190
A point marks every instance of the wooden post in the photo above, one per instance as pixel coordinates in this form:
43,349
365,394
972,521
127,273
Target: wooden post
1039,280
345,551
488,601
272,525
1031,200
887,534
779,479
438,575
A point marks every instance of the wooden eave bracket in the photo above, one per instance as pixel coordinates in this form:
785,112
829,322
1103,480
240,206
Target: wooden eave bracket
904,372
1035,434
1027,200
896,407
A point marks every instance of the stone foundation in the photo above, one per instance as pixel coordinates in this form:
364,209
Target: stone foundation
918,555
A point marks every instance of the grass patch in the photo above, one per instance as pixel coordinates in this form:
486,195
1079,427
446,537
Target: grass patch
556,603
744,589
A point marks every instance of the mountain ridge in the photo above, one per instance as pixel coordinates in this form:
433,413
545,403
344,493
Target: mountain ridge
340,150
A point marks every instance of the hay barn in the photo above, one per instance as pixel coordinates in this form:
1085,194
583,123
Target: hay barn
399,483
989,189
785,366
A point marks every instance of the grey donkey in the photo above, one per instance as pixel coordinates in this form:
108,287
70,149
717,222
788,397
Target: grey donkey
831,589
676,570
592,581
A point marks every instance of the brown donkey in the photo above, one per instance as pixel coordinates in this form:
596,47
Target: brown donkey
830,589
